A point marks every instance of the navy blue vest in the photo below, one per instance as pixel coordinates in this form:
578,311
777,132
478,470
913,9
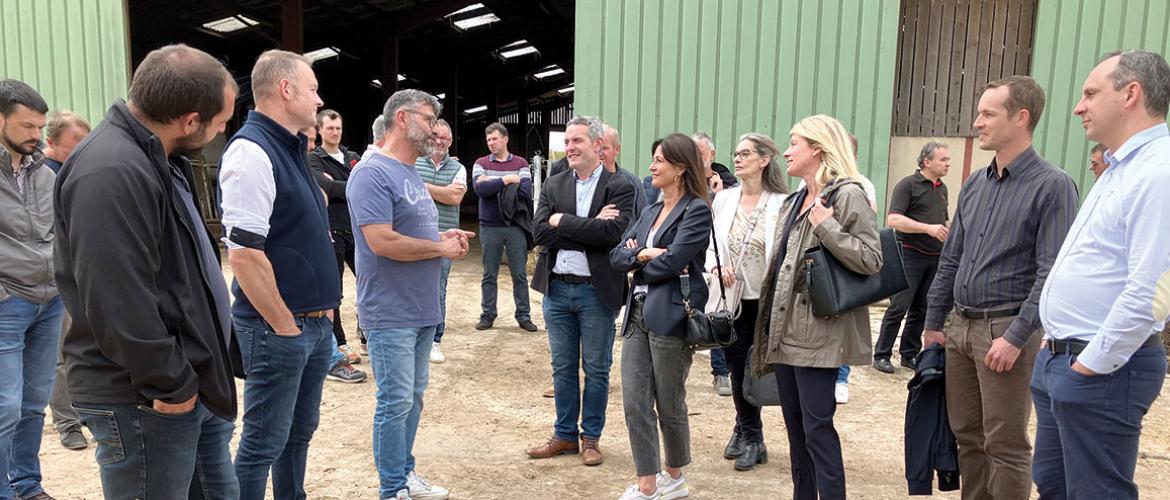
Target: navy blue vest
298,243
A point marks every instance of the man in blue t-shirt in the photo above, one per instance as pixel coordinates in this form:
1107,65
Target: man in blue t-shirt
399,247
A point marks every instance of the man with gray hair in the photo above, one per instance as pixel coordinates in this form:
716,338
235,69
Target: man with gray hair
918,213
1108,296
286,282
399,260
580,218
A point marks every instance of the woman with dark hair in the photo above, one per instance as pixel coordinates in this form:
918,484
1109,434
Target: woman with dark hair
745,218
806,350
663,247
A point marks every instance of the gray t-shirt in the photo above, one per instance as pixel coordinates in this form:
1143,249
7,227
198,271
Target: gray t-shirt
391,293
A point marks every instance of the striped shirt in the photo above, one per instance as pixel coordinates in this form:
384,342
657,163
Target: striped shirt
1006,233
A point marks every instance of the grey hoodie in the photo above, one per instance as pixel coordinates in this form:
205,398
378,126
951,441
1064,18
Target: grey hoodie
26,231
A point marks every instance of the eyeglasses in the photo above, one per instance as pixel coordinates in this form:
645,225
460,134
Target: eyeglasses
432,120
743,154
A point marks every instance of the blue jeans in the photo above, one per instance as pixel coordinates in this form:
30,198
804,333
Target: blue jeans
1088,428
843,374
719,363
580,333
495,240
444,273
144,454
282,403
29,334
400,359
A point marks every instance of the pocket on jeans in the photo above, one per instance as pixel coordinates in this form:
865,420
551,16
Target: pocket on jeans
104,427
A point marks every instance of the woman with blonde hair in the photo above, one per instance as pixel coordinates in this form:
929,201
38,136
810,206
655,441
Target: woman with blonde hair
805,350
746,218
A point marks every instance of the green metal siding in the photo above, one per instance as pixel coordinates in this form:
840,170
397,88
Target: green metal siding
74,52
732,66
1071,36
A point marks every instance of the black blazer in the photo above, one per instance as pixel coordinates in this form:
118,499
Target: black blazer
593,236
685,234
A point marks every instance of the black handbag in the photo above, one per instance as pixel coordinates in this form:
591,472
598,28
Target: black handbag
834,289
707,330
760,391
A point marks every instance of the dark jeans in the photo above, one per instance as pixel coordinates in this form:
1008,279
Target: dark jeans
909,304
1088,428
747,415
344,250
495,240
282,404
145,454
719,362
806,400
580,333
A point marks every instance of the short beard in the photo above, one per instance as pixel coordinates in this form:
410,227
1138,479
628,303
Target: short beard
421,140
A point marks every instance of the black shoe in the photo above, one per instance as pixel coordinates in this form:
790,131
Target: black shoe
753,453
883,365
526,324
910,362
734,447
485,322
73,439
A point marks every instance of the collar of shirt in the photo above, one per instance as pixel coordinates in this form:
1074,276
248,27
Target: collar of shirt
1016,167
1136,142
505,160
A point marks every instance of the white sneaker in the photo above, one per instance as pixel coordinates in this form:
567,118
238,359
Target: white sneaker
401,495
670,488
841,394
633,493
421,489
437,354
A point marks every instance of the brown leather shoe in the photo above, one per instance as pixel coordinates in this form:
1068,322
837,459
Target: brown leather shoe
590,453
552,448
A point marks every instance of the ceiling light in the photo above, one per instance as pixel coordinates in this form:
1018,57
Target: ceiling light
566,90
472,22
477,109
230,24
553,70
324,53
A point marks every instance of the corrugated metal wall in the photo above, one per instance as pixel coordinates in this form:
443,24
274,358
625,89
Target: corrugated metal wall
733,66
74,52
1071,36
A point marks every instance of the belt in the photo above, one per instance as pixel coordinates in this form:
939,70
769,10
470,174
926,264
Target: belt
311,314
1074,347
974,313
571,278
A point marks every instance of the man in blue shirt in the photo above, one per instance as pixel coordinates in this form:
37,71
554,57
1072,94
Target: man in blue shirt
1103,363
399,251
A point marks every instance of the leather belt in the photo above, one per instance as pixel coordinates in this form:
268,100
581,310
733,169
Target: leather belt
312,314
974,313
1074,347
571,278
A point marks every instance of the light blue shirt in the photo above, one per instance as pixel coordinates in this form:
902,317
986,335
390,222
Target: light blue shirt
1110,284
574,261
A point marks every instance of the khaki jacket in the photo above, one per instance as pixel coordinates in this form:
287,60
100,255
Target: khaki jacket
786,330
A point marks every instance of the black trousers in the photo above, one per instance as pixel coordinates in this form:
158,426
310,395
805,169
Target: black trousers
747,415
343,248
909,304
806,400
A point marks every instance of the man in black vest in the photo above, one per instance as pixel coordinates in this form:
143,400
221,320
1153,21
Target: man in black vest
331,164
148,355
581,217
286,284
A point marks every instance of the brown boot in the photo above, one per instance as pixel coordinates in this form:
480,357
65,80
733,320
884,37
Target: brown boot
552,448
590,453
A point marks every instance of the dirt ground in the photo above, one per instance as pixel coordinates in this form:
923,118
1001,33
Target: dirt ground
484,408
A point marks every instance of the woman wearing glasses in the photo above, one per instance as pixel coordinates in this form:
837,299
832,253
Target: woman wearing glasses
805,350
666,245
745,219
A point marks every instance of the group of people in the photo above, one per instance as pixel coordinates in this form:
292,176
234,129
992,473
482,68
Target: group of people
107,231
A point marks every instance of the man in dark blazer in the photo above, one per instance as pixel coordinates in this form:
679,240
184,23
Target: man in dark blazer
581,217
